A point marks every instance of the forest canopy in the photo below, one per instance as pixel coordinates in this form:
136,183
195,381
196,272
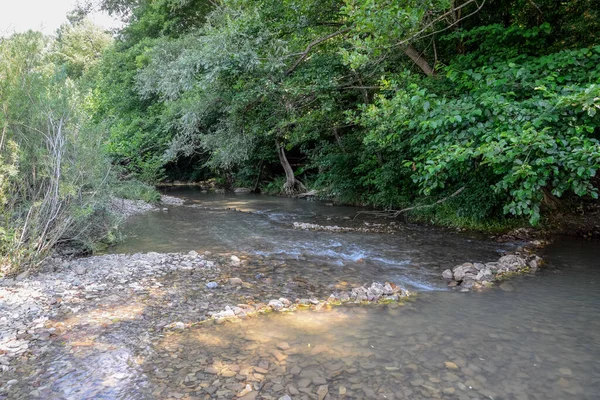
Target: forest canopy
381,103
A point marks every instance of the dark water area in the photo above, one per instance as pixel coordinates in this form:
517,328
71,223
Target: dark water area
536,337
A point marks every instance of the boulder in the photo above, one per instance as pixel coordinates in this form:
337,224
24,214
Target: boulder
448,275
484,274
512,262
460,271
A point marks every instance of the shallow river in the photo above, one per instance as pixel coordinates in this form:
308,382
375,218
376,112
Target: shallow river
536,338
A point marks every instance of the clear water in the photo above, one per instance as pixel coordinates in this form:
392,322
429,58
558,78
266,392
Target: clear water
414,257
539,338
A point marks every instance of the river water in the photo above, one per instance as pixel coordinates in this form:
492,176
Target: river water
536,338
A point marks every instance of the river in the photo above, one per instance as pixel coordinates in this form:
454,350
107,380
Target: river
536,338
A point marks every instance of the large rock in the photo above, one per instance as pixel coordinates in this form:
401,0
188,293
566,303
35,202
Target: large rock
447,274
512,262
462,270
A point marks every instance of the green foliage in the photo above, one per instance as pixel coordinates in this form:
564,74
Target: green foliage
135,190
519,120
381,103
79,46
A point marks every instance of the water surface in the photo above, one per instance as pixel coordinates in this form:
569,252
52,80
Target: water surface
536,338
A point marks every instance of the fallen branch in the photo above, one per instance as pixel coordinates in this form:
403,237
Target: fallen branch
396,213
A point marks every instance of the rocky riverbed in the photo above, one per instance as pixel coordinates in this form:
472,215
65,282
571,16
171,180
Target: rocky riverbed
164,291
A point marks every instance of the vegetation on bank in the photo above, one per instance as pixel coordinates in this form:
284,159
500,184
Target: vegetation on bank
386,104
389,104
56,182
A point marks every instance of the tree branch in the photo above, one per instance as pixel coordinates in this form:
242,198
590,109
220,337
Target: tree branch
396,213
452,11
312,44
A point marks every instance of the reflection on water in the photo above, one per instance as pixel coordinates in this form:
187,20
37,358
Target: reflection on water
538,338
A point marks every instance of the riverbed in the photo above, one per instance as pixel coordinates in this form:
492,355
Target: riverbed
537,337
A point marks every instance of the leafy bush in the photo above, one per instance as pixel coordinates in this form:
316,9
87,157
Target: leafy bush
135,190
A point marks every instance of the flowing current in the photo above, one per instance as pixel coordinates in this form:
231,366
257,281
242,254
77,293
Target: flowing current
537,337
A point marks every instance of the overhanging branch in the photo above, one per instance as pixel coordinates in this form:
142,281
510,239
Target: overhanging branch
312,44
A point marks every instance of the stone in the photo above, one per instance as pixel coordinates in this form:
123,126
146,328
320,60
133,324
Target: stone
235,281
276,305
322,391
246,390
450,390
450,365
212,285
318,380
447,274
485,274
179,325
285,397
512,261
535,262
283,346
235,261
461,270
342,390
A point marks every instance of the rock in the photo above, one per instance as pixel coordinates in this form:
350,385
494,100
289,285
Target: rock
485,274
212,285
285,301
179,325
535,262
512,262
447,274
450,365
283,346
461,270
319,380
390,288
448,390
322,391
246,390
342,390
285,397
235,261
235,281
276,305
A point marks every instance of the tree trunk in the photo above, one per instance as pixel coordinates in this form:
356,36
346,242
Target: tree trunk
419,60
292,185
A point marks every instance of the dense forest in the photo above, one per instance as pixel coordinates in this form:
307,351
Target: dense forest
491,106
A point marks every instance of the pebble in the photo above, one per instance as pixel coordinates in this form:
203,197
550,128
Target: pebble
450,365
